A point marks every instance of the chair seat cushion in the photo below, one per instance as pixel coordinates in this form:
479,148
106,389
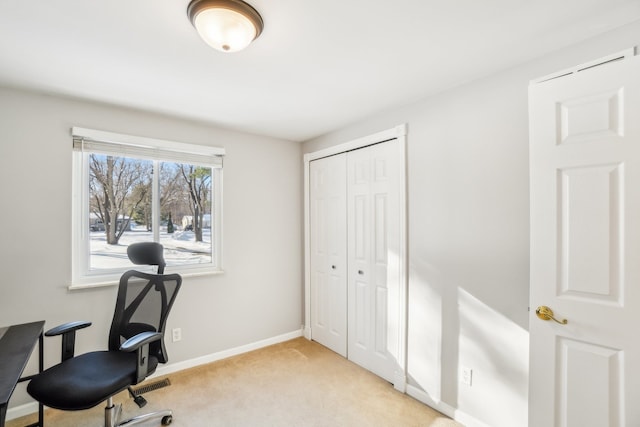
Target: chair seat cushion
84,381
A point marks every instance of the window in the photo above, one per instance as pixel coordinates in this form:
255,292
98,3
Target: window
129,189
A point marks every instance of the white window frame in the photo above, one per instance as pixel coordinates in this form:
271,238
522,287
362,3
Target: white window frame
87,141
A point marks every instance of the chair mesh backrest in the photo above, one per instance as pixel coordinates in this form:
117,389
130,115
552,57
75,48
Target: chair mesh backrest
143,304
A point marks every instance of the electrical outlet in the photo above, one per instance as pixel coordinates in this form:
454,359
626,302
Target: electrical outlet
176,334
466,375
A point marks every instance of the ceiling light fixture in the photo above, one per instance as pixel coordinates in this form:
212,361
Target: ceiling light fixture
226,25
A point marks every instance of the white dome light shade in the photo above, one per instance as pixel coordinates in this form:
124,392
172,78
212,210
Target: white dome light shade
228,26
224,29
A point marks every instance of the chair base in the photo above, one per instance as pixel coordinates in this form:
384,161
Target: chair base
112,416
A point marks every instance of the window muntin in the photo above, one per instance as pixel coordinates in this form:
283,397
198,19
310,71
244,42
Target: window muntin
145,194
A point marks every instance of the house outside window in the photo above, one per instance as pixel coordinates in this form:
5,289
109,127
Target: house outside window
129,189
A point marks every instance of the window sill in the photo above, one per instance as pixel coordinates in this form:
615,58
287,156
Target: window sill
115,281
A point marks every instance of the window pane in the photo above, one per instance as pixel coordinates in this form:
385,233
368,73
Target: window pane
185,213
122,210
119,208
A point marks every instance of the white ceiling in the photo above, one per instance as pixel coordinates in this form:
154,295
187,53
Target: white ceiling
318,65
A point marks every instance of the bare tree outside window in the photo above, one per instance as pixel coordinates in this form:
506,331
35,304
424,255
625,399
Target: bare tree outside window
117,187
172,192
198,182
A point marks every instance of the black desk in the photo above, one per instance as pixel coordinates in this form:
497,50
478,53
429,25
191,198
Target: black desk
16,345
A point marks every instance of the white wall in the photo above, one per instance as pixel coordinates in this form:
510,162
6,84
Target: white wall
468,181
258,297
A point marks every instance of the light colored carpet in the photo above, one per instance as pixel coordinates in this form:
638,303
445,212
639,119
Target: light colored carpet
296,383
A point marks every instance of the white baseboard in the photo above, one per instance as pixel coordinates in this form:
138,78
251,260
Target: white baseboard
22,410
32,407
400,381
438,405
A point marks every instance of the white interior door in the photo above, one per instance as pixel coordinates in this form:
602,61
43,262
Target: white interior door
373,257
585,248
328,243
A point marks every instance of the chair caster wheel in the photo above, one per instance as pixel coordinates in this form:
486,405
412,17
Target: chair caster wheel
166,420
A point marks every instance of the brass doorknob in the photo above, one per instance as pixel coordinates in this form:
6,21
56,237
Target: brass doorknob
545,313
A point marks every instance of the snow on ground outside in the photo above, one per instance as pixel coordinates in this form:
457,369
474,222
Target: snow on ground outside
179,248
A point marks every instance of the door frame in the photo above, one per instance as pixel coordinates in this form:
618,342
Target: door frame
400,133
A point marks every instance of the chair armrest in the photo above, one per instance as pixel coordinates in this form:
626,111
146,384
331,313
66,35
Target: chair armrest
68,332
140,344
137,341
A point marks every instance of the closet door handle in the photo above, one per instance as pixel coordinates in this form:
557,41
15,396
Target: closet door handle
360,272
333,267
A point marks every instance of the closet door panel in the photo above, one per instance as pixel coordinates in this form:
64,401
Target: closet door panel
328,252
358,254
372,190
385,190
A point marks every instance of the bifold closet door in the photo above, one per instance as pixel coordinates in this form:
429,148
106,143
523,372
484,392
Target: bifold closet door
373,229
354,256
328,241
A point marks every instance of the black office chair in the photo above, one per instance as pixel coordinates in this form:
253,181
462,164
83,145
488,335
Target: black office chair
136,346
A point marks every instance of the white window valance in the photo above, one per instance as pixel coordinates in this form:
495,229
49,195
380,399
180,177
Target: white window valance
97,141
